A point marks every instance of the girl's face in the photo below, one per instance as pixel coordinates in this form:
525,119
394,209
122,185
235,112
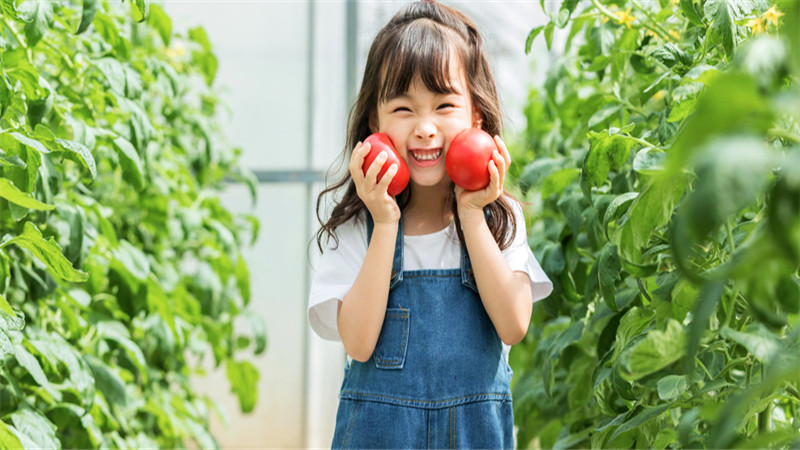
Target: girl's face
422,123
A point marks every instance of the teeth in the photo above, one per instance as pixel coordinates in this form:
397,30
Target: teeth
426,156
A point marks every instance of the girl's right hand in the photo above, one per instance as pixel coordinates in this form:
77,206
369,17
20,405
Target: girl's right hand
380,204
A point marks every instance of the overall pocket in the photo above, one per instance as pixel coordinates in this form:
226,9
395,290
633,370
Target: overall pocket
390,352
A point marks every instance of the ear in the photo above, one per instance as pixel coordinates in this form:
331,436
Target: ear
477,118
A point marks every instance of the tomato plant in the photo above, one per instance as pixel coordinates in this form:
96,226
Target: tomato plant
467,159
120,269
662,168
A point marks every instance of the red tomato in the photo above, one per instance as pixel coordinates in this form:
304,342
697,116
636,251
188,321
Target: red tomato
467,159
380,142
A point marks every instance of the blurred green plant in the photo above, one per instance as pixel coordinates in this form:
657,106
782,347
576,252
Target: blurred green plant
119,266
662,167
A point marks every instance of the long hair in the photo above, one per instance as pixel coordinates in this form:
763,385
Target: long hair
418,41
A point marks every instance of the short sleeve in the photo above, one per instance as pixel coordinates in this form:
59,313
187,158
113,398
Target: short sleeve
521,259
334,275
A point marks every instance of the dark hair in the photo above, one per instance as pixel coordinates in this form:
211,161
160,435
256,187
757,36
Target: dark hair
418,41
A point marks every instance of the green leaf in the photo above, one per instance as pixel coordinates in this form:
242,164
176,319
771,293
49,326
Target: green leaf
31,364
23,199
548,34
79,153
243,377
243,279
113,72
38,17
602,114
48,252
670,55
608,151
531,36
656,351
108,381
556,182
32,143
537,170
6,93
723,24
140,10
682,111
5,307
8,437
731,174
651,210
117,332
131,259
638,417
707,301
87,15
159,20
609,268
130,162
671,387
762,344
649,161
617,207
633,323
33,425
689,10
259,331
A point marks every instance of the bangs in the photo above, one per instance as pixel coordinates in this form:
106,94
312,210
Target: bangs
422,48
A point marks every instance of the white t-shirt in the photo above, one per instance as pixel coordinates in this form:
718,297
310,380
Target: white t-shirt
337,268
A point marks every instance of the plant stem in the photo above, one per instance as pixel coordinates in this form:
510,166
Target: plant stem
666,36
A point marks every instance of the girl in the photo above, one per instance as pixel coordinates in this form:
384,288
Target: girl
427,290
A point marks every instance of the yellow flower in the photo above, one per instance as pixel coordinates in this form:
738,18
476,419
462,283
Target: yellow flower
625,17
772,15
658,95
675,34
756,26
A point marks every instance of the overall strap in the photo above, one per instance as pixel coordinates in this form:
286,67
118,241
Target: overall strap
397,263
467,275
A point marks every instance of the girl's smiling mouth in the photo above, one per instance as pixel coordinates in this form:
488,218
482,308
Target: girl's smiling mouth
425,157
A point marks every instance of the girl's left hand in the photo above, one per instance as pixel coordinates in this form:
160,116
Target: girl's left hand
472,201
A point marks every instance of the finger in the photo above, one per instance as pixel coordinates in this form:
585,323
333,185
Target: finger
500,163
494,176
383,185
357,161
375,168
503,150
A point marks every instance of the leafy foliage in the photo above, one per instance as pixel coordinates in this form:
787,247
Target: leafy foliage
119,266
663,170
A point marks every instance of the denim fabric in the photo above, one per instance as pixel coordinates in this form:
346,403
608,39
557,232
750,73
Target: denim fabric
437,378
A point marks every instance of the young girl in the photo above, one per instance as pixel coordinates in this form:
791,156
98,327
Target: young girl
427,290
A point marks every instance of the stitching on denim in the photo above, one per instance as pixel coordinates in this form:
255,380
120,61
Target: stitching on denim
455,275
350,426
428,416
452,412
396,362
425,401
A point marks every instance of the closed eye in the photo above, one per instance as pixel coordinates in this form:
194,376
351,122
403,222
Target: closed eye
401,108
446,105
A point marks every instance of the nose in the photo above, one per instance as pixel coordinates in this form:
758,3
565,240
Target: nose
425,129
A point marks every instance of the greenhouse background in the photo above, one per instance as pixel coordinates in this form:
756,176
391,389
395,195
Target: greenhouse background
144,145
287,71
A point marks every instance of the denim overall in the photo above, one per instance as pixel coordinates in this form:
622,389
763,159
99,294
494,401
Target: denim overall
438,377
